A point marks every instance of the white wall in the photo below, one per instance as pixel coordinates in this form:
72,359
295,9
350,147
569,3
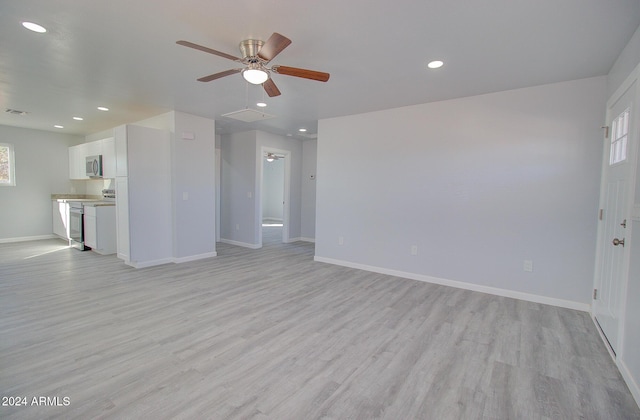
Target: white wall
194,194
625,63
237,209
272,189
309,164
479,184
42,169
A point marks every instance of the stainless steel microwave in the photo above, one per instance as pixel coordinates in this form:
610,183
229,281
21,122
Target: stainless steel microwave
94,166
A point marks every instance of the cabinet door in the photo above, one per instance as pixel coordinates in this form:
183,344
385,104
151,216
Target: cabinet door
77,159
60,219
90,231
109,158
120,136
122,218
93,148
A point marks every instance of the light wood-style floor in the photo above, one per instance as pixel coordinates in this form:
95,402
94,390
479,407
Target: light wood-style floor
271,334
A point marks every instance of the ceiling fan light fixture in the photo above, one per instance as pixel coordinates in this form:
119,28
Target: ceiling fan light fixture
255,75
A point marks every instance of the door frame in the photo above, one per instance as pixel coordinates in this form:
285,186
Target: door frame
286,210
632,153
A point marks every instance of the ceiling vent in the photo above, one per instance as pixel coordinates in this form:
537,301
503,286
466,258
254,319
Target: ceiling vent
15,112
309,135
248,115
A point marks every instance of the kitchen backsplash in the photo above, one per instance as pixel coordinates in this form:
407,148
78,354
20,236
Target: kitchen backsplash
91,186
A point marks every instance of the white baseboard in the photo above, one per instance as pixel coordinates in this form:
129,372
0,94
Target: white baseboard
27,238
195,257
628,378
462,285
300,239
242,244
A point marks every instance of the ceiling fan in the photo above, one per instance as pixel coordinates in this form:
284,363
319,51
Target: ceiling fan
256,55
272,156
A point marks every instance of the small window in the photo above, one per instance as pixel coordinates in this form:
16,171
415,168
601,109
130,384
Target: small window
619,134
7,165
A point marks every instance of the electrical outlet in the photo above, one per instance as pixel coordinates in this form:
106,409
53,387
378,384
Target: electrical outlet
237,227
414,249
341,240
527,266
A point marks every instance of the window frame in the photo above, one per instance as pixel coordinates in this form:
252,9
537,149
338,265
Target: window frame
12,166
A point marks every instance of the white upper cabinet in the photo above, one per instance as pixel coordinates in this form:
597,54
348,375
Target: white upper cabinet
78,155
77,158
120,134
108,157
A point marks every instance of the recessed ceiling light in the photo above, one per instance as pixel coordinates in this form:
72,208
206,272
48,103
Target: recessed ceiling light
78,118
58,126
103,108
302,130
34,27
436,64
261,104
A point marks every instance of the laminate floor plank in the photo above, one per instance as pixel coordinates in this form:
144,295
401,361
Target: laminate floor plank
271,334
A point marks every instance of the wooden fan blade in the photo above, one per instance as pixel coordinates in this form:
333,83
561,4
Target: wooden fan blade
219,75
305,74
274,46
208,50
271,88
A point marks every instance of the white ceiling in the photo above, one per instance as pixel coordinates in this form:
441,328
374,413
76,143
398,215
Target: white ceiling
122,54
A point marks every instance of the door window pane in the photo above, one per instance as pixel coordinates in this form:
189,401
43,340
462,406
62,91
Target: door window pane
619,134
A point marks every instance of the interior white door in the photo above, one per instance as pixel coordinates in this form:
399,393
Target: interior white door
612,258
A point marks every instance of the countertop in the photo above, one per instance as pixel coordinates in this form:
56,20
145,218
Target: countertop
87,200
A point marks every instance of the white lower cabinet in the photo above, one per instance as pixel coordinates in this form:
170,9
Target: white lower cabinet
60,211
100,228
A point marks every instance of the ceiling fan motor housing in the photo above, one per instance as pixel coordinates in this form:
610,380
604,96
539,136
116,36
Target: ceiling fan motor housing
250,49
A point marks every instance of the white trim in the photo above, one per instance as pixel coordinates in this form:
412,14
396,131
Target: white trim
195,257
628,378
312,240
602,336
585,307
28,238
242,244
151,263
622,89
286,210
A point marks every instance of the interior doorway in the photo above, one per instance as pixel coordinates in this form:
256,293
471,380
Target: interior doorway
273,214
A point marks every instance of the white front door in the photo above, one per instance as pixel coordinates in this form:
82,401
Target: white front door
612,256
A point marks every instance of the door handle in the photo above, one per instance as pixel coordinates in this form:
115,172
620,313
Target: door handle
617,241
